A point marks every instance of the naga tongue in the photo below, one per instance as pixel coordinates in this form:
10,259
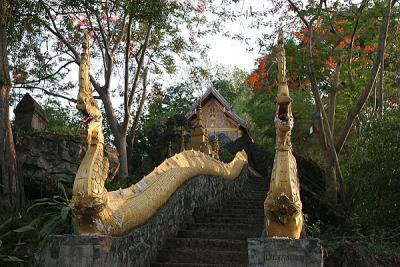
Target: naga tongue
87,120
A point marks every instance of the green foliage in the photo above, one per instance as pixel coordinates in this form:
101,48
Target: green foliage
225,155
23,234
175,100
312,229
373,172
115,185
15,232
62,120
53,214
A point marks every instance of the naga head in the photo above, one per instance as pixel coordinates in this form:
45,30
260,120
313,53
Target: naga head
86,104
283,116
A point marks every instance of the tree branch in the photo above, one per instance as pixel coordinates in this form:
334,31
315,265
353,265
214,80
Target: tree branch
298,11
136,79
48,76
109,56
98,41
56,32
47,92
368,87
139,110
126,78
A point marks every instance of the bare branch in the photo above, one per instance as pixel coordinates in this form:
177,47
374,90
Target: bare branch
98,40
137,75
120,34
139,110
127,108
109,63
298,11
48,76
47,92
57,33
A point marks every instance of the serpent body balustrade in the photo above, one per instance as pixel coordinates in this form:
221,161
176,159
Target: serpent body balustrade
99,212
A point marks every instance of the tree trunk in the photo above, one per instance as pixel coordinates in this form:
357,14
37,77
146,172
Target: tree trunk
119,135
330,181
132,133
381,88
331,157
11,188
332,96
120,144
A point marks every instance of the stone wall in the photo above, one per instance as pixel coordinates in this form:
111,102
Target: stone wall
139,248
45,159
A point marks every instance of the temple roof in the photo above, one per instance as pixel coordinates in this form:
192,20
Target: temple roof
212,92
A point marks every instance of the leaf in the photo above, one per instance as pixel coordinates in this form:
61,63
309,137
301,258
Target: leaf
48,227
35,222
5,223
51,202
13,259
23,229
64,213
61,187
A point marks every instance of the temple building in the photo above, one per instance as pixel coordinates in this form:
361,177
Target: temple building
212,117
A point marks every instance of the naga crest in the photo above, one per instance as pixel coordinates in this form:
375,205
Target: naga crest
86,103
283,117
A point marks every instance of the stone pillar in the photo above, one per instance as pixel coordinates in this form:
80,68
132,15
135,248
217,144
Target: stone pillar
274,252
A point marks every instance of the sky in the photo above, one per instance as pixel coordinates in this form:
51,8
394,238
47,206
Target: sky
223,50
233,53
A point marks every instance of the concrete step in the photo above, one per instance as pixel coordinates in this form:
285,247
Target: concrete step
186,264
245,202
244,212
260,197
228,219
224,227
238,215
235,235
206,244
256,194
245,206
202,256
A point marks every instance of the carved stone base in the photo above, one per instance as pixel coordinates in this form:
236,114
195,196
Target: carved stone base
268,252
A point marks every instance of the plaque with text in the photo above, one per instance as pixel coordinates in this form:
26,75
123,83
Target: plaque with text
270,252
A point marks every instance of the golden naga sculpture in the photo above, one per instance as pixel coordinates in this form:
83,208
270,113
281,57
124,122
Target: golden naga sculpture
98,212
282,207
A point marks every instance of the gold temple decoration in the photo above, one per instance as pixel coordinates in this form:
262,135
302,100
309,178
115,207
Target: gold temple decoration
199,137
283,206
99,212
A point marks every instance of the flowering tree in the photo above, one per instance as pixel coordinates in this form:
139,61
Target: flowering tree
130,40
341,51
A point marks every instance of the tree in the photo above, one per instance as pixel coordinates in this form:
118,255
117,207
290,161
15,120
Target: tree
334,47
163,104
131,40
11,188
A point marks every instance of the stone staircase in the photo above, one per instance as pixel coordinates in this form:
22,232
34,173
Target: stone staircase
219,238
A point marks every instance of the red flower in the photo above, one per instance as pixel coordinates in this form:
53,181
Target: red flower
369,48
331,63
